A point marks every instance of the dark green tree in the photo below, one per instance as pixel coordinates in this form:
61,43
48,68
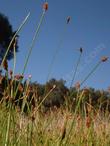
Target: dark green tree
56,98
6,34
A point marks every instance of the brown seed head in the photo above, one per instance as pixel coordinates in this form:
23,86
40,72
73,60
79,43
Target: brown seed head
81,50
63,133
104,59
45,6
33,118
18,77
15,41
5,64
20,87
86,91
1,79
69,117
88,121
77,85
68,19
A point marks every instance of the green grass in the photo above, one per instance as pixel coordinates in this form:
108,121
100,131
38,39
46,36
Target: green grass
52,128
57,126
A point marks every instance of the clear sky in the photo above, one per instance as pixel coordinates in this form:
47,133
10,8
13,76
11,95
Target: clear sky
89,28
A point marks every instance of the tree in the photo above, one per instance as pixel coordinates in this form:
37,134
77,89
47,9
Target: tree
56,98
6,34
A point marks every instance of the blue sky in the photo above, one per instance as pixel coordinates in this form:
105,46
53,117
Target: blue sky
89,28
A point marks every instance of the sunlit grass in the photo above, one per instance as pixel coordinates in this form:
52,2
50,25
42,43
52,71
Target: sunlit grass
23,123
52,128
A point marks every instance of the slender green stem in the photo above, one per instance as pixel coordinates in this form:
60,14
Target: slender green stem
31,47
92,71
63,134
31,132
33,41
56,52
45,97
19,29
14,61
8,128
78,62
75,113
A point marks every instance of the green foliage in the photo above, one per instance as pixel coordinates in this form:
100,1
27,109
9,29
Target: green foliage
6,34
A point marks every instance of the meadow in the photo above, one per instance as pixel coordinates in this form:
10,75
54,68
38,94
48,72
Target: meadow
33,114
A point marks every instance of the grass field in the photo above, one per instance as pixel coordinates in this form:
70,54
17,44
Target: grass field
58,126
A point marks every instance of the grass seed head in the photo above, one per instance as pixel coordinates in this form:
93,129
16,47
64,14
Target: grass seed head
77,85
32,118
81,50
30,76
86,91
5,65
15,42
63,133
45,6
18,77
54,86
20,87
104,59
68,19
88,121
1,79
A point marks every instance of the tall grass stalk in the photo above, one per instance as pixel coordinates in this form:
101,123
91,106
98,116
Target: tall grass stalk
31,47
56,52
8,127
33,41
4,58
78,62
17,32
14,60
92,71
31,132
63,134
73,121
46,97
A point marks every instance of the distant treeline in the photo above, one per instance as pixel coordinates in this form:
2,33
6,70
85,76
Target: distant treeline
68,97
56,94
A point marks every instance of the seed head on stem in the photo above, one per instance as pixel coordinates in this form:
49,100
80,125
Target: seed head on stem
77,85
45,6
5,64
78,62
68,19
81,50
104,59
18,77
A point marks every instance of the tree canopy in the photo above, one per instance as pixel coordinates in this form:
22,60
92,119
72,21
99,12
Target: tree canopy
6,34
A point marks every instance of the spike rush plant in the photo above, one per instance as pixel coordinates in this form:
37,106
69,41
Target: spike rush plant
75,71
46,125
62,38
45,8
103,59
5,65
13,38
81,95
